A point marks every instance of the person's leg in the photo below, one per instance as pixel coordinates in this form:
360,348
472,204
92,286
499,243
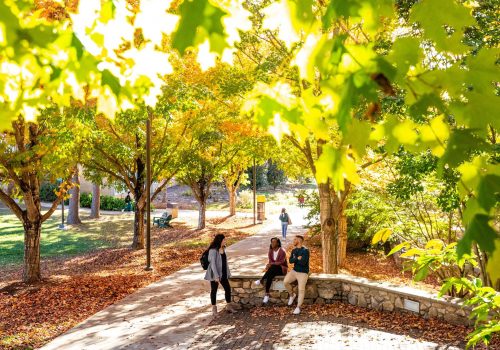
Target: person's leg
272,272
285,228
289,278
302,281
266,275
227,289
213,291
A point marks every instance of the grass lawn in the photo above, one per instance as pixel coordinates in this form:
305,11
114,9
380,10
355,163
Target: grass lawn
110,231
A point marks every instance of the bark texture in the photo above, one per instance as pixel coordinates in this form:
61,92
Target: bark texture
95,207
74,201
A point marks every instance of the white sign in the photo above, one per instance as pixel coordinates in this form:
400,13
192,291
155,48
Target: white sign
411,305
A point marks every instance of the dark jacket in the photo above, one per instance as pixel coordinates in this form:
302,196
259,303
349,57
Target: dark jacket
280,261
301,265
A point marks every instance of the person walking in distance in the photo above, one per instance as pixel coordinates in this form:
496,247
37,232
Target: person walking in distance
218,272
285,221
277,266
300,273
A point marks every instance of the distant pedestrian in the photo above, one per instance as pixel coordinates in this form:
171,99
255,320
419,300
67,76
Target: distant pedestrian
276,266
218,272
128,202
285,221
300,273
301,200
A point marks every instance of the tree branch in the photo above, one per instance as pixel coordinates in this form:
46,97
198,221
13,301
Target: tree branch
11,203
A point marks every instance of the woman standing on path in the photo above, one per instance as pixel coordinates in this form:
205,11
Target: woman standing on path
218,272
285,221
277,265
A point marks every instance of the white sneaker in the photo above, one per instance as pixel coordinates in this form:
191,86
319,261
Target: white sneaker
296,311
266,299
257,283
291,299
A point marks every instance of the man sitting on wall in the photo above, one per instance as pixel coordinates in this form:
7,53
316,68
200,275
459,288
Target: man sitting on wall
299,273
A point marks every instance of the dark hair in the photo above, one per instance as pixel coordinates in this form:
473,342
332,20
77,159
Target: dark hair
216,243
300,237
278,240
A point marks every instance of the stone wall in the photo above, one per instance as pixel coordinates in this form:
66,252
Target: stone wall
325,289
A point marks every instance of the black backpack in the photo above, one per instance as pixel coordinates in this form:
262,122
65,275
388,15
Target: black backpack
204,260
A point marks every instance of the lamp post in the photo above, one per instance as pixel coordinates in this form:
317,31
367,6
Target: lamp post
254,190
148,192
61,226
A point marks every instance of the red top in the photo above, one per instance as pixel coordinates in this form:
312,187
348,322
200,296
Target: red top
280,261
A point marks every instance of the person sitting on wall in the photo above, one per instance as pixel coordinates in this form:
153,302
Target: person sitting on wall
277,266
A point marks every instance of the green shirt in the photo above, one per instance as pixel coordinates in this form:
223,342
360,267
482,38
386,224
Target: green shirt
301,265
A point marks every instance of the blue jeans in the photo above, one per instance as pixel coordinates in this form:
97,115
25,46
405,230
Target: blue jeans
284,226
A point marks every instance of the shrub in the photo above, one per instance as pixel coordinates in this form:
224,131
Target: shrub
47,192
112,203
245,199
85,200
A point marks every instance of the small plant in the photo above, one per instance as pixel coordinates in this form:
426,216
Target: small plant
245,199
485,303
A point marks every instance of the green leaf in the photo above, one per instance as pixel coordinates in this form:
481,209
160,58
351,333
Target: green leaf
345,105
77,45
479,112
199,20
10,24
358,136
405,52
461,144
420,109
110,80
493,267
404,245
435,16
488,192
480,231
421,273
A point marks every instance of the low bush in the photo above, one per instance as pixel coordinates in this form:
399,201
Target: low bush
85,200
47,192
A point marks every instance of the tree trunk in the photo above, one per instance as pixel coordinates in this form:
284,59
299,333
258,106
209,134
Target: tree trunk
140,205
342,233
202,209
31,267
232,201
328,230
138,242
74,202
95,207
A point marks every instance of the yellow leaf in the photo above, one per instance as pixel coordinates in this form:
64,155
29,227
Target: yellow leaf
435,244
382,235
493,267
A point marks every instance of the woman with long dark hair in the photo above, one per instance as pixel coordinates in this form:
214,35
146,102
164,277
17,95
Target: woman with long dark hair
277,265
218,272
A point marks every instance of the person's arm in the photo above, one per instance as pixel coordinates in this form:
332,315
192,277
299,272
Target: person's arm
304,260
293,257
212,257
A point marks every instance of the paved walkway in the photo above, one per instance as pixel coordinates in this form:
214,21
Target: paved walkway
168,313
241,331
174,313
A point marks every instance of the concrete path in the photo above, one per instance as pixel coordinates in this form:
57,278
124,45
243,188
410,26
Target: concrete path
167,314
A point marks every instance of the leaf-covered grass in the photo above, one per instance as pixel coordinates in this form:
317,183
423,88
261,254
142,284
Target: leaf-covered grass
110,231
77,287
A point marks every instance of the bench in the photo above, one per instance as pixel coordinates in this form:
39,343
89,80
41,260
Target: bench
162,221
